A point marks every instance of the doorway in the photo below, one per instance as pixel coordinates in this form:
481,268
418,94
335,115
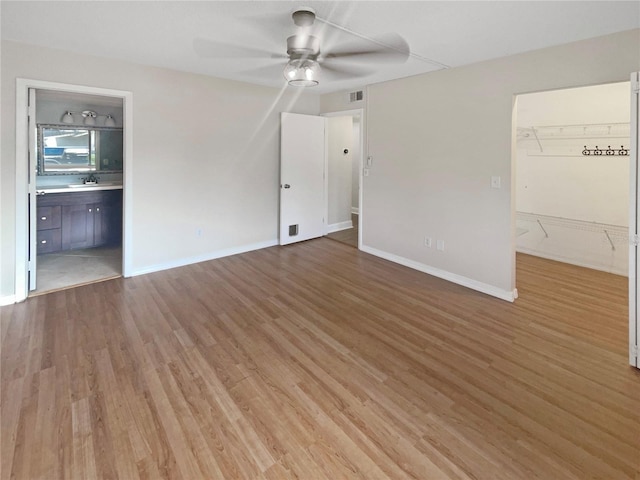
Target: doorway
573,166
27,186
78,203
344,164
572,176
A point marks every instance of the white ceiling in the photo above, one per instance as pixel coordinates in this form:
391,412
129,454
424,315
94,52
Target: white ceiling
440,34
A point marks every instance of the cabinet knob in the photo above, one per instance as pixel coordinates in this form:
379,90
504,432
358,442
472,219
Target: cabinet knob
43,242
43,218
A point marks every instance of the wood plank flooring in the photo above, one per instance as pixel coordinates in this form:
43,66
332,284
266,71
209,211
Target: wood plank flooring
348,236
317,361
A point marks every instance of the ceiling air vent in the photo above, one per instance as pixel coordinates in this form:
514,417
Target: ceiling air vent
356,96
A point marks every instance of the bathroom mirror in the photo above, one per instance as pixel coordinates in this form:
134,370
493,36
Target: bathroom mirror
65,149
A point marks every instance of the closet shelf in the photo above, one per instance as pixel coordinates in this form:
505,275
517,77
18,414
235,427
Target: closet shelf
582,131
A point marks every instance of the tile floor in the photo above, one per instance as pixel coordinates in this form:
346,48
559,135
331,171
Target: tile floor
56,271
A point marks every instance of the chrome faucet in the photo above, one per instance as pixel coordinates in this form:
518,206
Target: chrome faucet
90,179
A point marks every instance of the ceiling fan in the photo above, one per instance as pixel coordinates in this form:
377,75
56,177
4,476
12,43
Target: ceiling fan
307,61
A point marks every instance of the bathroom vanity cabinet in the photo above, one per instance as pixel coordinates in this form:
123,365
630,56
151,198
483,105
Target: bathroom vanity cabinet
72,220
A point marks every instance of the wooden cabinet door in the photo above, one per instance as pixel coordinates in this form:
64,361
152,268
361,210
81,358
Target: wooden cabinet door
100,229
77,226
110,224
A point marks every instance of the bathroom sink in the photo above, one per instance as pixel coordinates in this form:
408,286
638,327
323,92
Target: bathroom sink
87,185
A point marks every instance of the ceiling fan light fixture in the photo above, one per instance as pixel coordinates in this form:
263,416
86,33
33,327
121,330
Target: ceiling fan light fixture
302,72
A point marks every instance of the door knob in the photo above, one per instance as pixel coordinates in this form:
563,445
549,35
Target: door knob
286,185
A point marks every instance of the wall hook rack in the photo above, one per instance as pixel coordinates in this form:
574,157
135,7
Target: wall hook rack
616,152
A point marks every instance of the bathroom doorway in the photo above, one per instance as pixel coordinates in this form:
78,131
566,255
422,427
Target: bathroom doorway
79,164
107,240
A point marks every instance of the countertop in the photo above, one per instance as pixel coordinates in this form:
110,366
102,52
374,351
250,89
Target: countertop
78,188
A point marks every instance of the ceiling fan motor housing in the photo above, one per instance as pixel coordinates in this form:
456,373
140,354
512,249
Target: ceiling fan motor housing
299,46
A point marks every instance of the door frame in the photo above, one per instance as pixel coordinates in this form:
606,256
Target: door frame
358,112
634,220
22,174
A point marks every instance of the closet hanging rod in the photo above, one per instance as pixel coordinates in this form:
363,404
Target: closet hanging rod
581,125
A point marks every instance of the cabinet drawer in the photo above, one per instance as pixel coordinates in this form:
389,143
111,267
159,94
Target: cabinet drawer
49,240
49,217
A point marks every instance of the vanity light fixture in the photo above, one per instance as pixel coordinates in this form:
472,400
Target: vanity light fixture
89,118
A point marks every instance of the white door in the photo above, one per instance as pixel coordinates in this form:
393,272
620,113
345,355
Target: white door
634,221
302,160
32,175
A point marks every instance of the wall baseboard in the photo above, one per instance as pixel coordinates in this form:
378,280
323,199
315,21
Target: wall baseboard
355,210
7,300
204,258
336,227
507,295
451,277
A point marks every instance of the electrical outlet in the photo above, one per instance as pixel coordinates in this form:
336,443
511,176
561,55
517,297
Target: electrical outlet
427,242
440,245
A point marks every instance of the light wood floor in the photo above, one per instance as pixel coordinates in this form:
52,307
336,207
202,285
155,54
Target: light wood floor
317,361
348,236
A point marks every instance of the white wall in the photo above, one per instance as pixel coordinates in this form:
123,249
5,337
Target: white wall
339,102
339,172
436,141
51,106
206,155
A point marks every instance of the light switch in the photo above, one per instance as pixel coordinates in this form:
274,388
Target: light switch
495,182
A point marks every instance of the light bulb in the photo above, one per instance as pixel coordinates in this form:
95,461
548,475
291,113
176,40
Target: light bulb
89,117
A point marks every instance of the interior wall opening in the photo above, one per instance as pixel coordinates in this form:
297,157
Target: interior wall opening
78,202
344,158
572,176
572,197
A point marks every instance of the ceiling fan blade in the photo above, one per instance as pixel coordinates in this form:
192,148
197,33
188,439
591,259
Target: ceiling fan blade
329,72
268,72
388,48
212,49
